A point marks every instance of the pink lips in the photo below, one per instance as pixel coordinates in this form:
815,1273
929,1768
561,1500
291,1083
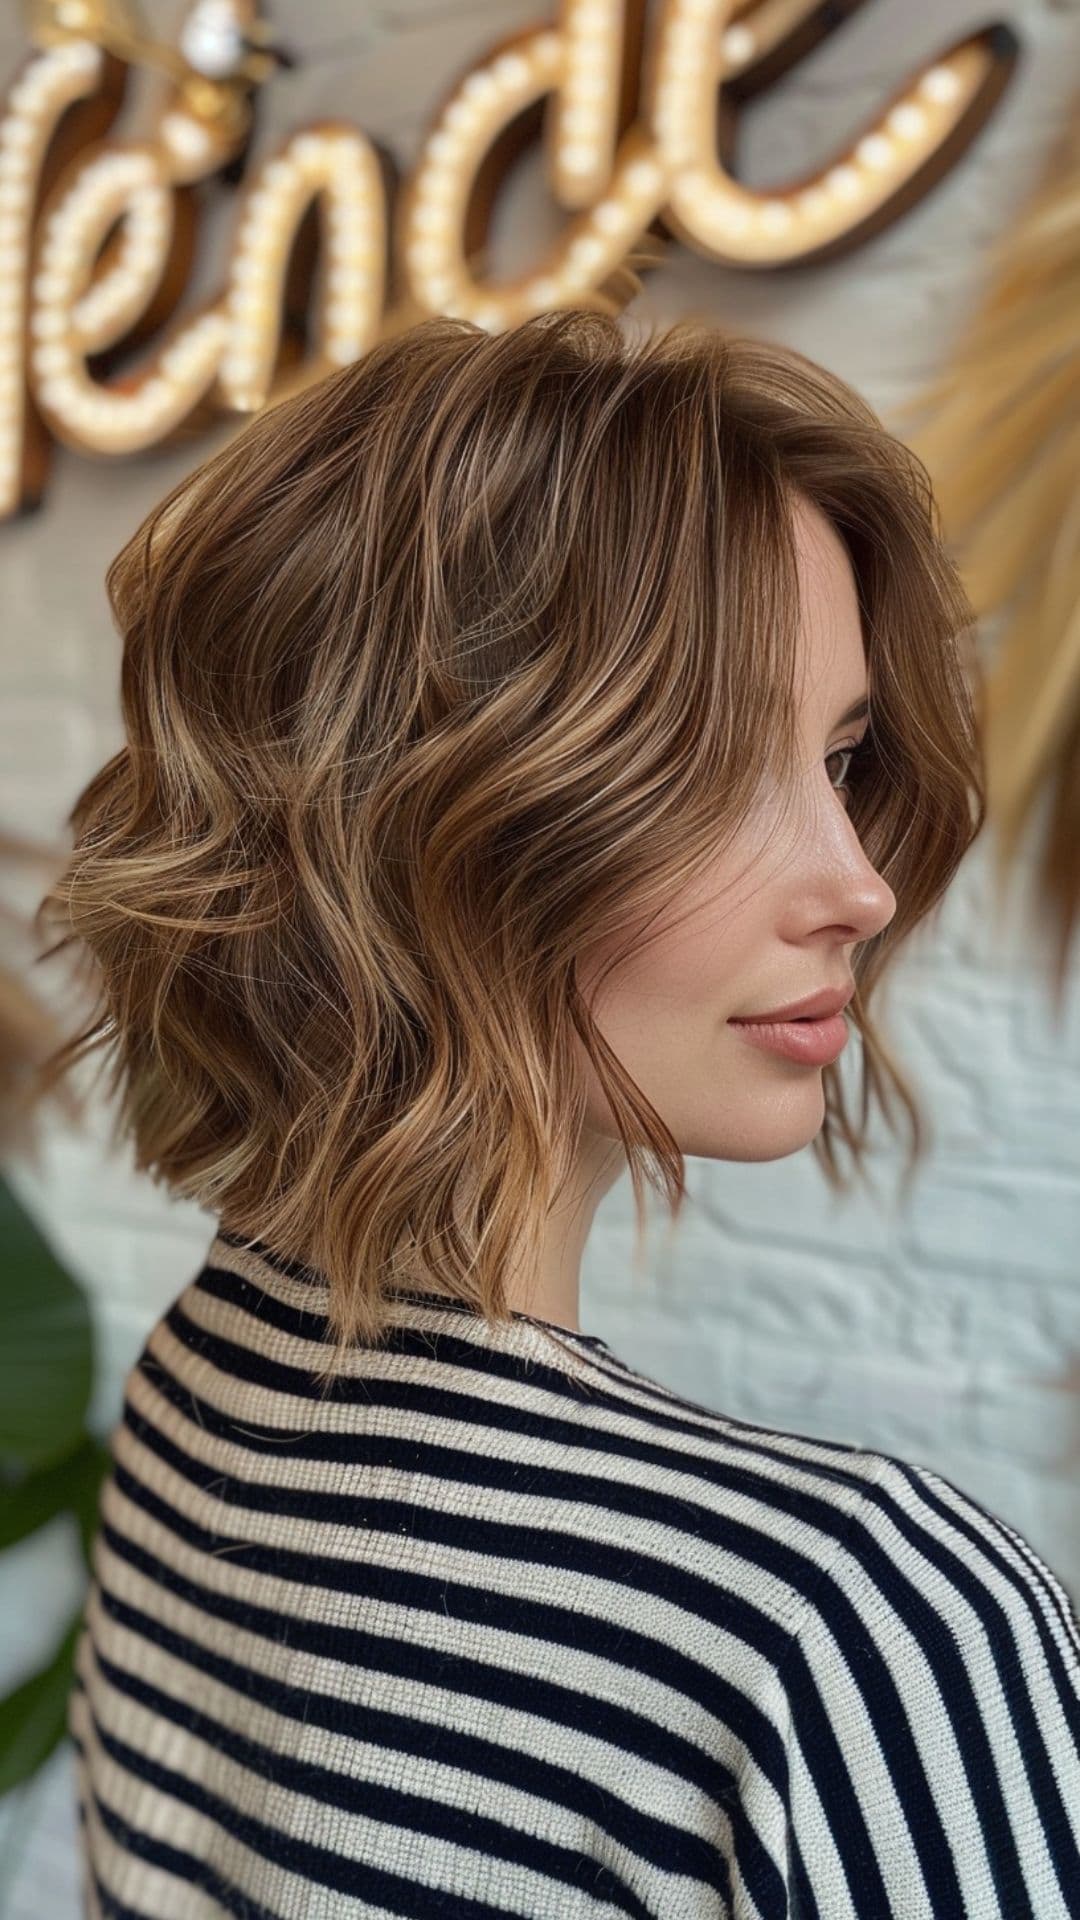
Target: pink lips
813,1043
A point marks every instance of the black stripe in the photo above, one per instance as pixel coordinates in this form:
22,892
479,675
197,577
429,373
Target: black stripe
564,1627
322,1865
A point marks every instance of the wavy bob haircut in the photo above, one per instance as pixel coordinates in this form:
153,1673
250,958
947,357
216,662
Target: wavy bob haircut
443,667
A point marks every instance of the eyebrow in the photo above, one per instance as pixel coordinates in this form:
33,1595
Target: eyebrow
857,712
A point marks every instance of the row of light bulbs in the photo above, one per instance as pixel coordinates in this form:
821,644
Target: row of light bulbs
54,313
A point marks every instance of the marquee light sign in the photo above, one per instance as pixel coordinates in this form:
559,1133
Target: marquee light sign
97,236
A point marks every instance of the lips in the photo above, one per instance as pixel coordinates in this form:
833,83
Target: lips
809,1042
814,1006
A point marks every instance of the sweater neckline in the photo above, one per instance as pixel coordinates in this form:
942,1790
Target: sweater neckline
421,1296
429,1297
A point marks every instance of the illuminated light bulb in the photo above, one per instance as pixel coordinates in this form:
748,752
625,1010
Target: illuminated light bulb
941,84
479,86
428,217
425,259
644,177
876,151
279,173
578,122
47,325
47,289
187,139
308,150
51,358
737,45
907,121
578,160
844,182
438,190
344,286
510,70
442,146
460,118
613,216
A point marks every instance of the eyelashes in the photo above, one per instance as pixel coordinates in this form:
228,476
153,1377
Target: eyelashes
856,759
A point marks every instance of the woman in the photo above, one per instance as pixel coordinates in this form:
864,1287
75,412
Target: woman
509,720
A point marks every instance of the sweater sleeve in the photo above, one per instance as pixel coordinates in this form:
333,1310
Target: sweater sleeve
932,1706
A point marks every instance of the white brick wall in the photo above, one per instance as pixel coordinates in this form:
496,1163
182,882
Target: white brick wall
948,1331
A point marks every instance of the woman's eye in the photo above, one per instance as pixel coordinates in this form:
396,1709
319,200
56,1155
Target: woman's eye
845,754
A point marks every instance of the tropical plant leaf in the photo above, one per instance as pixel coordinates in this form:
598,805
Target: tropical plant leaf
71,1485
33,1716
47,1353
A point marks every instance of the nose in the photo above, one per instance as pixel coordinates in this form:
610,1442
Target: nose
864,900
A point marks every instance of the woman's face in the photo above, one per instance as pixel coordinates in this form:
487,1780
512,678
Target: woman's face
776,919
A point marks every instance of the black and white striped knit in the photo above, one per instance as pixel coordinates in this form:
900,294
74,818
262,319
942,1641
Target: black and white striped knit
502,1626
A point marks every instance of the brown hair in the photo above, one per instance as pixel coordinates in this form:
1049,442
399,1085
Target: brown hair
437,671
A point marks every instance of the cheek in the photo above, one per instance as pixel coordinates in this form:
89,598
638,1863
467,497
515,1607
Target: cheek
690,969
663,1007
661,1015
663,982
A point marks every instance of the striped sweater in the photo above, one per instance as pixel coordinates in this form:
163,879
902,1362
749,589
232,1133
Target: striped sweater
501,1626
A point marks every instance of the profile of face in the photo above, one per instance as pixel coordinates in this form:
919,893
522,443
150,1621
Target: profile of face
775,919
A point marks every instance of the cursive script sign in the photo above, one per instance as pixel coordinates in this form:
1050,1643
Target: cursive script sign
97,236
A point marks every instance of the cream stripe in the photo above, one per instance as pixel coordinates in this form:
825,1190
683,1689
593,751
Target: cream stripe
653,1788
353,1836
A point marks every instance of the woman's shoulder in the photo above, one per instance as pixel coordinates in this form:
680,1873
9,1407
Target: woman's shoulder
878,1548
931,1705
924,1698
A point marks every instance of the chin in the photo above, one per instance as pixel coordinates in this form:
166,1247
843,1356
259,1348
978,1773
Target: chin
764,1150
766,1128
